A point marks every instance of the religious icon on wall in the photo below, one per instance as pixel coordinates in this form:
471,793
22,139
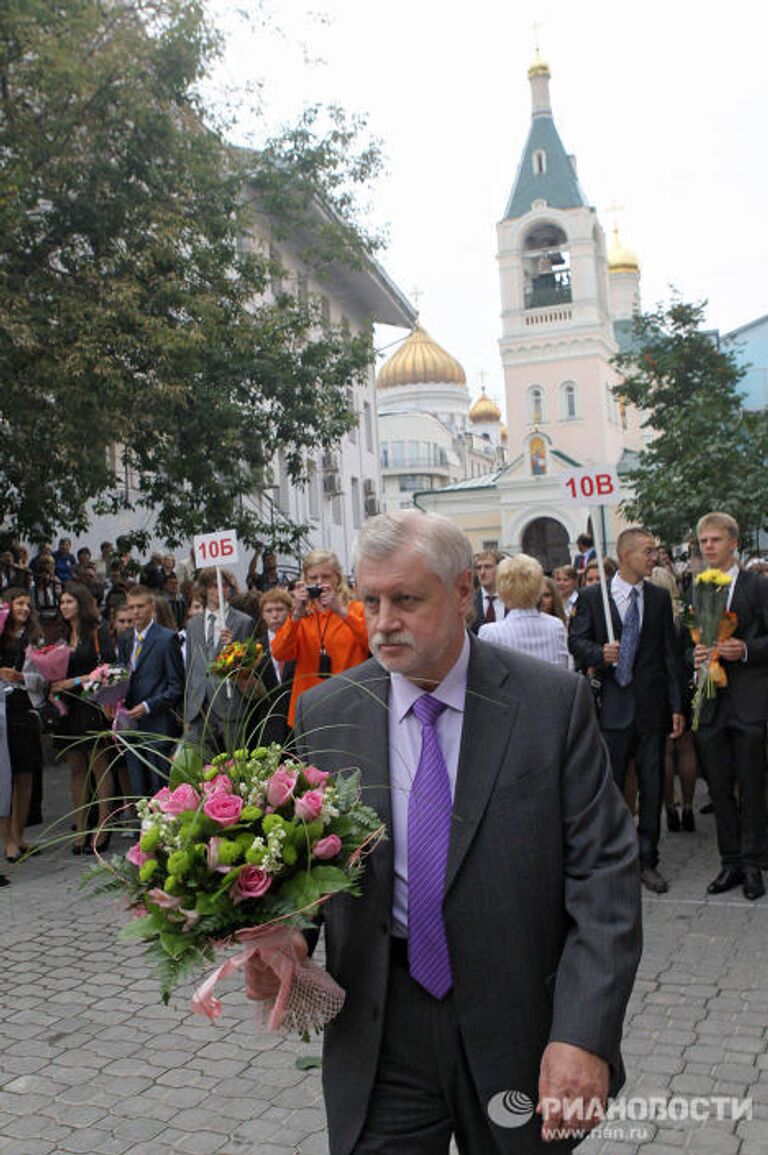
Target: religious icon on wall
538,454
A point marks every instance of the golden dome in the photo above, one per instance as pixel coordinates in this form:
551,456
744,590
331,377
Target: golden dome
620,258
484,409
420,359
539,67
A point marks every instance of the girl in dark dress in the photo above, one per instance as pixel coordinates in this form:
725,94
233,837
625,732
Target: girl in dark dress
17,681
90,644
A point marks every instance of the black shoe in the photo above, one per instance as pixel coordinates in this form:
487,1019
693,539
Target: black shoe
4,881
707,808
652,880
727,879
34,818
754,887
688,822
673,820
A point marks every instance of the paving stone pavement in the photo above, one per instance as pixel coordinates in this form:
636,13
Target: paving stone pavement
91,1062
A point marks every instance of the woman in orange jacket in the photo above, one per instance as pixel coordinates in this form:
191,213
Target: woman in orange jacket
326,632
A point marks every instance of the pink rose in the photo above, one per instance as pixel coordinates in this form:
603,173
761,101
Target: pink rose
136,855
223,808
314,776
175,802
309,806
280,786
157,800
163,900
220,782
251,882
327,847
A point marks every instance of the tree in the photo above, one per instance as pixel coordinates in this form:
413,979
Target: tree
129,313
706,452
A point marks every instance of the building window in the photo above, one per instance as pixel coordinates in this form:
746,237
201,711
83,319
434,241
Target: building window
535,405
313,490
337,509
492,544
302,289
411,482
569,401
368,426
539,162
354,493
352,433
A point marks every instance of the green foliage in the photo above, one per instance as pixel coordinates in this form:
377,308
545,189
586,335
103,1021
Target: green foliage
130,314
705,452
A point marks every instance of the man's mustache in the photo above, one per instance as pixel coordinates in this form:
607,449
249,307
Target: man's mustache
398,638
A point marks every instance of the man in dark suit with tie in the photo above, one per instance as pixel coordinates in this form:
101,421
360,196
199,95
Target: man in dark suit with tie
486,603
641,695
490,956
731,735
215,712
155,690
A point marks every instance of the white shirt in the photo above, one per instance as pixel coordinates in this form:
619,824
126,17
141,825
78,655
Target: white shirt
278,666
404,753
733,572
541,635
620,591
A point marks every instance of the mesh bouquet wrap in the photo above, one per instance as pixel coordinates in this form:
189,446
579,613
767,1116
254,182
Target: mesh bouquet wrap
51,662
243,850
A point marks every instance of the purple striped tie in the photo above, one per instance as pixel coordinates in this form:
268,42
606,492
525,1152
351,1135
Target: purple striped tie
429,830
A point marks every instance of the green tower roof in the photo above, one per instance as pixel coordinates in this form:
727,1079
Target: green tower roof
554,181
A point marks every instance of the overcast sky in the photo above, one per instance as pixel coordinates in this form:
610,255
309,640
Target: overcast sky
663,104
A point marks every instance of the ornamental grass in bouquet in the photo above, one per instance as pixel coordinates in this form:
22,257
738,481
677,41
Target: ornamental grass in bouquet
242,851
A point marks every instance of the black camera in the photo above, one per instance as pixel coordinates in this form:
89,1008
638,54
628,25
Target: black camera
314,591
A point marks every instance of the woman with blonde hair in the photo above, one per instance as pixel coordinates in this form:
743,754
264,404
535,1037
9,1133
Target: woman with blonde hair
325,633
518,584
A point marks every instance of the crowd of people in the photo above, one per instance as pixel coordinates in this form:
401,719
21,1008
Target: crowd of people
475,694
643,679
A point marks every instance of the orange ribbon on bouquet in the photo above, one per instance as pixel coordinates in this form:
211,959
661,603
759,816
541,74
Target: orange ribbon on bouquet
716,675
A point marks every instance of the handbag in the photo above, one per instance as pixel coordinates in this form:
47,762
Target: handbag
46,717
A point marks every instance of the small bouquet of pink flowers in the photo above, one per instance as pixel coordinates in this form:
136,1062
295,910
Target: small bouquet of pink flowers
51,662
107,685
244,850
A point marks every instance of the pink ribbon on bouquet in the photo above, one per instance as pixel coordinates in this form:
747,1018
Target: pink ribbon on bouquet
308,997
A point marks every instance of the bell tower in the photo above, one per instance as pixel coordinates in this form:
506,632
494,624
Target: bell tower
558,336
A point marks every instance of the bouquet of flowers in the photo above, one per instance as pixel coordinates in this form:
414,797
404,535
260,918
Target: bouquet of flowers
5,609
713,624
107,685
244,849
240,659
52,663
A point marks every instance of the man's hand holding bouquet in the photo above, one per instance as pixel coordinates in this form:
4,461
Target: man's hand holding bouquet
712,632
244,851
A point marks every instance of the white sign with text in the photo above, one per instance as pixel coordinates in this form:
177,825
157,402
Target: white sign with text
597,485
216,548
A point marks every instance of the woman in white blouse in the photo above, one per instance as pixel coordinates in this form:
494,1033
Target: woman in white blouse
519,583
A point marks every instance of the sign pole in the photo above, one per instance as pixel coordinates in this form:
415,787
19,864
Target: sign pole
599,548
222,618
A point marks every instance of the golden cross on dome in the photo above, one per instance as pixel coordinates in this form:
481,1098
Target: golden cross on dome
614,210
417,294
535,29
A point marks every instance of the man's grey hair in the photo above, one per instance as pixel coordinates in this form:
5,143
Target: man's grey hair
444,547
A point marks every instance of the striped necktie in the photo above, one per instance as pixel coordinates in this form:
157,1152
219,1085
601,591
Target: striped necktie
429,828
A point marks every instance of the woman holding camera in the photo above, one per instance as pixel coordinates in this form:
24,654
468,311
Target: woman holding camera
325,633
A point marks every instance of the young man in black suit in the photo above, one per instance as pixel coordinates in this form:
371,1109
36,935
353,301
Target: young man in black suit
486,603
731,736
641,681
155,691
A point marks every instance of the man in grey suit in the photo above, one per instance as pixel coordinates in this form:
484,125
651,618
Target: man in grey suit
215,712
489,959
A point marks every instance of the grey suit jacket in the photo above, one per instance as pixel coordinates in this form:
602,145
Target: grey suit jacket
203,690
542,895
